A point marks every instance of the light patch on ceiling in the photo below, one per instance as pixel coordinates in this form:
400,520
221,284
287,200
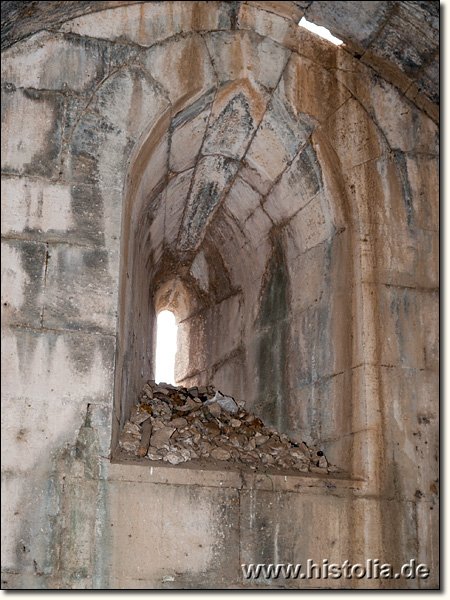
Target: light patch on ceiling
323,32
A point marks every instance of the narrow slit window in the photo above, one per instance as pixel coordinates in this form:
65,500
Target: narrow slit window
166,347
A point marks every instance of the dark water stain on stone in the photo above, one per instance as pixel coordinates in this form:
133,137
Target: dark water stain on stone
272,341
212,180
194,110
229,130
307,170
33,261
292,130
87,209
407,194
43,162
84,349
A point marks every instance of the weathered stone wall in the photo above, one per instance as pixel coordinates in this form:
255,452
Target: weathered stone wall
281,199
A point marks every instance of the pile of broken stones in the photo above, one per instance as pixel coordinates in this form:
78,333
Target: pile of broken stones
176,425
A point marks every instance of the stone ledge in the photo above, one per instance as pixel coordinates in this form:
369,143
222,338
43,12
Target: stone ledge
205,473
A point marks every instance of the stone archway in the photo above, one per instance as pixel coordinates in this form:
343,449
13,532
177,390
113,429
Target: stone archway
236,195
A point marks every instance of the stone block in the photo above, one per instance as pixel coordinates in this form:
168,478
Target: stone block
229,377
49,61
100,419
238,54
357,454
150,23
353,135
191,355
55,212
348,22
307,270
428,81
182,68
57,367
314,349
423,187
122,54
257,228
265,23
242,200
399,42
431,318
412,131
429,537
332,407
29,508
312,46
312,224
279,26
25,581
147,180
131,101
226,316
200,271
411,430
256,179
277,140
390,530
81,289
34,430
23,282
81,505
400,538
422,101
235,116
290,528
188,132
255,261
377,193
304,81
39,115
175,201
229,239
402,327
405,258
194,537
34,207
287,10
97,153
213,177
153,238
299,184
201,343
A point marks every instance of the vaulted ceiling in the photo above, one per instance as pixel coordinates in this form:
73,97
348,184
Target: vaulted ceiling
400,40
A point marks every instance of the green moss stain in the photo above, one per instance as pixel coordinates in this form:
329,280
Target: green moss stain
272,342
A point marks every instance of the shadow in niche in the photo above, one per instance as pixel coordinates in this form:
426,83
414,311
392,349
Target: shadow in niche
272,334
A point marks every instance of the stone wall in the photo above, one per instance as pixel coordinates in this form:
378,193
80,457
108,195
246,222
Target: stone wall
282,199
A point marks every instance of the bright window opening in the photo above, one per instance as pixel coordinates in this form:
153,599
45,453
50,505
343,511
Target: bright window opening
166,347
319,30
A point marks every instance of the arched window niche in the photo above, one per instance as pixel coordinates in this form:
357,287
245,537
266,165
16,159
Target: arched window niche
262,286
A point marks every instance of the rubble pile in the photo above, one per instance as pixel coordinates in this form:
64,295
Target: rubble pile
176,424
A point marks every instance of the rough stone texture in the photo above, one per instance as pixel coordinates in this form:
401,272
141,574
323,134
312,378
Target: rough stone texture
280,196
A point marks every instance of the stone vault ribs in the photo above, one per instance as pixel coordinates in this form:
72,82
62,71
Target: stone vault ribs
176,425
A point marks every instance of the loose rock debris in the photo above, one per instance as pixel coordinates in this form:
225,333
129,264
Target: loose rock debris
176,425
